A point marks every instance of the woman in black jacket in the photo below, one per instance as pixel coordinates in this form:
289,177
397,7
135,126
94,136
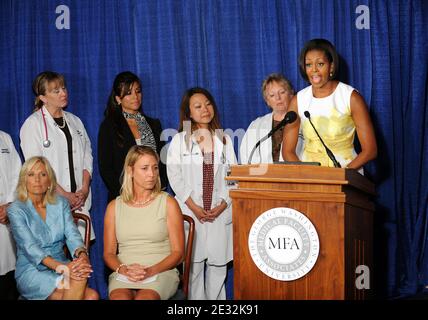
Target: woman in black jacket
125,125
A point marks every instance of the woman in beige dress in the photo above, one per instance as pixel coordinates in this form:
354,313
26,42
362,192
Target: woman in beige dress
143,233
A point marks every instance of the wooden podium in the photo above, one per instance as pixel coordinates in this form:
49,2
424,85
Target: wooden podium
336,201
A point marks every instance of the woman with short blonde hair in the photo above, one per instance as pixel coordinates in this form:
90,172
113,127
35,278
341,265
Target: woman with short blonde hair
21,189
277,93
41,223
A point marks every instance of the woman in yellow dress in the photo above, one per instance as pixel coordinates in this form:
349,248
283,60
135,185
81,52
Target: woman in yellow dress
335,109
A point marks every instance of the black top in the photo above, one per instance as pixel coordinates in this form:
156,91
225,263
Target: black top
276,141
112,154
62,124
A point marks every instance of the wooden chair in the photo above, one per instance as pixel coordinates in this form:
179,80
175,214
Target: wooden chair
87,238
183,287
87,220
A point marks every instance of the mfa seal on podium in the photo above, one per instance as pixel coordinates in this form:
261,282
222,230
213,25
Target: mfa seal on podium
283,244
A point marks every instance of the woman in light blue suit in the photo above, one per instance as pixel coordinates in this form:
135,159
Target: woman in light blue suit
41,223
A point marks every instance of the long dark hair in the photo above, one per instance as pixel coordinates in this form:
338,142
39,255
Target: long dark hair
214,125
121,85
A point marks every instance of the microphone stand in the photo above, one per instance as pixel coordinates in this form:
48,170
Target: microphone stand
329,153
256,146
288,118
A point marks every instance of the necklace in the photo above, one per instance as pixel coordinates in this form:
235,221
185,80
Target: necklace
142,203
63,123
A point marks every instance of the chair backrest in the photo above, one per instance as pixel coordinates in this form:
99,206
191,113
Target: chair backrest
87,220
188,255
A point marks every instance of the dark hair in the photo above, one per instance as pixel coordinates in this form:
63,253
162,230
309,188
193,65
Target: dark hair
40,84
321,45
121,85
214,125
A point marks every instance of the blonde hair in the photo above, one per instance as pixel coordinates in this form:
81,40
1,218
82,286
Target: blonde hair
135,153
279,78
21,189
40,85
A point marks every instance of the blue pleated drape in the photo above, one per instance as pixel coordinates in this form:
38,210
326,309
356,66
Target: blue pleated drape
229,47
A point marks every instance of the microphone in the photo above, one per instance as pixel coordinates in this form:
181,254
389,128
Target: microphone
290,117
329,153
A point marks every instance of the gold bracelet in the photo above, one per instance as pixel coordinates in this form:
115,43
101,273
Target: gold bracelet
120,266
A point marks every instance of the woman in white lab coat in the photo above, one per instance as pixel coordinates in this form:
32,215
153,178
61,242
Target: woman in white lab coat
277,92
10,165
197,163
60,137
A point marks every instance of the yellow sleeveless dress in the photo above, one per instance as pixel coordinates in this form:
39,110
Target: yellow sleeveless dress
142,236
332,118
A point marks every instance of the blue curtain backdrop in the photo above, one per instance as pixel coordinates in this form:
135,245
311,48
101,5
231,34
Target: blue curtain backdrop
229,47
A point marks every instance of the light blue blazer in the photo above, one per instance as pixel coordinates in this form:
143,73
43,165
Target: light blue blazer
36,239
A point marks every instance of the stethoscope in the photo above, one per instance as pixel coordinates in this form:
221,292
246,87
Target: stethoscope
222,158
46,142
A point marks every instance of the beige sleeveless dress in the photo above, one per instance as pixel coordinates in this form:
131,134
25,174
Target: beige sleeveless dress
142,237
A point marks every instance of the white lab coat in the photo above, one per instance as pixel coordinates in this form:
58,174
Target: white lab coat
213,241
258,129
32,135
10,165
